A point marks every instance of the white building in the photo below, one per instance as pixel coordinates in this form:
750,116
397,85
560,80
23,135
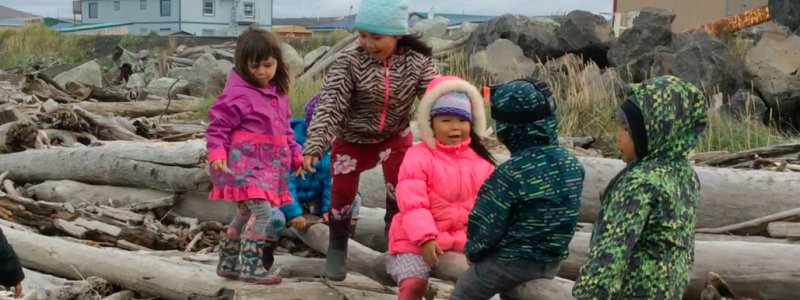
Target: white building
197,17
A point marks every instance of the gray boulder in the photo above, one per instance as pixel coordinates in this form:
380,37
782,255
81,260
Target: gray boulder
774,65
89,73
586,34
706,62
432,28
743,104
292,60
600,84
463,31
786,13
197,76
535,36
502,61
169,88
439,44
655,16
637,41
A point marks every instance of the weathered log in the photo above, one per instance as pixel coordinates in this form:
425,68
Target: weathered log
758,270
752,226
372,264
149,108
764,152
74,192
784,229
349,42
163,166
108,129
152,275
726,195
65,138
83,92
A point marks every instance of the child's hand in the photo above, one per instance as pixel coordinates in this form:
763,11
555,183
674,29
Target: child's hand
431,252
325,217
221,165
300,172
308,163
298,222
18,290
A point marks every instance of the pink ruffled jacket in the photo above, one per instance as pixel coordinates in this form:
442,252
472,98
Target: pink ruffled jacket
438,184
244,108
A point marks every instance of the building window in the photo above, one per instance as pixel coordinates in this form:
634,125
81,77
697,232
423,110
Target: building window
166,8
165,29
116,5
208,8
208,32
143,30
93,10
249,9
142,4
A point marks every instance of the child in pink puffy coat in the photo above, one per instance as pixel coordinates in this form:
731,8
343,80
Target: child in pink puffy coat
438,183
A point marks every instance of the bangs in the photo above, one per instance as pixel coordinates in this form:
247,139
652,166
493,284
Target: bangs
256,48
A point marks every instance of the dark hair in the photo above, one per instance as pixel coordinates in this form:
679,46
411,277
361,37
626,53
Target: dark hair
256,45
480,149
413,42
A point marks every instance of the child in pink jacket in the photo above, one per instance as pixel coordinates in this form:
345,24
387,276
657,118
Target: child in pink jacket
438,182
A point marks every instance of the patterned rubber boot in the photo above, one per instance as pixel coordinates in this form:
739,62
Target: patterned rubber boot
251,260
336,260
228,266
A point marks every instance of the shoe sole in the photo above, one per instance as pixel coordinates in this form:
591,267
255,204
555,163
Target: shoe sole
335,277
263,281
234,276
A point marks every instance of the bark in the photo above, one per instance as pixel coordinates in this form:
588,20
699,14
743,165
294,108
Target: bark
67,191
108,129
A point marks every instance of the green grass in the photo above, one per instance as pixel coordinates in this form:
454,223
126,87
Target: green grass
727,134
131,42
38,41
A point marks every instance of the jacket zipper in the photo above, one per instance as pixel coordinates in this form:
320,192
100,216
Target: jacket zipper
386,66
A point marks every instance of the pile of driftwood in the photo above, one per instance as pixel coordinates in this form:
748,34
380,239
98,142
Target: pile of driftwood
782,158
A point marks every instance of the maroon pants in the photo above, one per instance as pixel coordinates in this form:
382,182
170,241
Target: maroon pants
348,160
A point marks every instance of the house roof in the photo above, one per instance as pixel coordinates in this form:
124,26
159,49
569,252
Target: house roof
454,20
92,27
9,13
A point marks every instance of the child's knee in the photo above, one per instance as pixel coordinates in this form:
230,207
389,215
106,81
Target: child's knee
412,288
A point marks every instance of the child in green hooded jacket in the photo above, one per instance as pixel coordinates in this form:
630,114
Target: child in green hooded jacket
642,246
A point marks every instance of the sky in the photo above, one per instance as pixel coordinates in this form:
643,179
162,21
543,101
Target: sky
332,8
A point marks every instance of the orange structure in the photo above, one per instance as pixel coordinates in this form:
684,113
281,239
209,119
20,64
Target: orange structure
737,22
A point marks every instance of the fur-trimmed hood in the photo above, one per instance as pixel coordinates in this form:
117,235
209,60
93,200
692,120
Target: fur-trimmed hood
442,85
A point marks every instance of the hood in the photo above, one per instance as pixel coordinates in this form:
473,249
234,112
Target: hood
443,85
235,81
674,113
520,97
299,127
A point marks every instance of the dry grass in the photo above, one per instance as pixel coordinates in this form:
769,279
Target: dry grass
38,41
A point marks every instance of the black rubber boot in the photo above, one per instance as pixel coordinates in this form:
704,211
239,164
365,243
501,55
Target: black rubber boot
336,260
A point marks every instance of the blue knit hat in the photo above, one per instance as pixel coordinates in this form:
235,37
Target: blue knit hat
386,17
453,104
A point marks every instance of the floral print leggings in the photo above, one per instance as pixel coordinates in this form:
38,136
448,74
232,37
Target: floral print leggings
349,160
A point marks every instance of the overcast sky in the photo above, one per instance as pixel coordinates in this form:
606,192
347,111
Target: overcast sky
328,8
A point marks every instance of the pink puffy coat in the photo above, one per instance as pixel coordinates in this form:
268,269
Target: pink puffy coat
437,184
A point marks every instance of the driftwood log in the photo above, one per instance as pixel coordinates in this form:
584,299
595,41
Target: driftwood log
149,108
67,191
322,64
152,275
372,264
728,196
162,166
83,92
107,128
757,270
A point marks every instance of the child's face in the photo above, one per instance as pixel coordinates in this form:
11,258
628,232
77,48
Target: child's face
450,130
379,46
625,143
263,71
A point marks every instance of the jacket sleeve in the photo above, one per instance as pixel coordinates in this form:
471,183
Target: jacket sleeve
10,267
334,102
295,148
412,197
620,224
488,220
327,182
224,116
293,209
428,71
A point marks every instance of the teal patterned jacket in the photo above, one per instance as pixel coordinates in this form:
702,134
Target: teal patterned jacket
528,208
642,246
